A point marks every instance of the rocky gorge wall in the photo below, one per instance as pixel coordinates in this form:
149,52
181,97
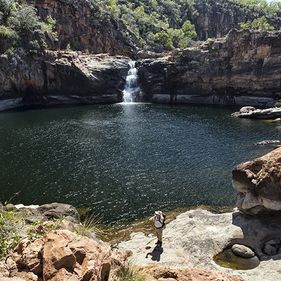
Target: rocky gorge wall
80,27
57,78
214,19
242,69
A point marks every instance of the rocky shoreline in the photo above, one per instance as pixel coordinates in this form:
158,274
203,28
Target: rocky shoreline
248,237
198,244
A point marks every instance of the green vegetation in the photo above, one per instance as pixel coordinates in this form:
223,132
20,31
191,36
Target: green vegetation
259,24
20,24
38,229
167,24
90,226
157,24
152,25
269,8
9,232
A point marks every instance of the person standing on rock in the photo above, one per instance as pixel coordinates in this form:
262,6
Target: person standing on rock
159,224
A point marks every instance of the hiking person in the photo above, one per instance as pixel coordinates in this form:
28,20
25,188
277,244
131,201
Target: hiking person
159,224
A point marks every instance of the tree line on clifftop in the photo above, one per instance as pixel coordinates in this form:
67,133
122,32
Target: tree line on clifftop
156,25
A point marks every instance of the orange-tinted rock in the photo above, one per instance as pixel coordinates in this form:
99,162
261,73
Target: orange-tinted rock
193,274
258,183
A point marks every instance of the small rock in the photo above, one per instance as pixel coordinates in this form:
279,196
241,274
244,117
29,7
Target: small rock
10,207
4,272
27,276
242,251
247,109
1,207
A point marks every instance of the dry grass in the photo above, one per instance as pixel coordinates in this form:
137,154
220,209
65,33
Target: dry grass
90,226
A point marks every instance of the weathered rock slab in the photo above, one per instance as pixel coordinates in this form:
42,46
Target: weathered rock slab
195,237
258,183
253,113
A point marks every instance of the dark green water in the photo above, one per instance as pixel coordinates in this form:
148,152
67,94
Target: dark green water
125,161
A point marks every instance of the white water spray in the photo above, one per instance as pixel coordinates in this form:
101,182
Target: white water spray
132,89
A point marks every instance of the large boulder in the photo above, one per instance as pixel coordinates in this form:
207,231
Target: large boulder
64,255
59,210
258,184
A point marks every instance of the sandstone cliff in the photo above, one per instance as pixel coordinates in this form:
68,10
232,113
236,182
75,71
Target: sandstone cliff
214,19
61,78
244,68
80,27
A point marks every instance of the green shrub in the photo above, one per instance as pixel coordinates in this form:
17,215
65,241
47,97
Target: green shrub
157,24
49,24
268,7
9,232
68,47
6,32
38,229
24,19
259,24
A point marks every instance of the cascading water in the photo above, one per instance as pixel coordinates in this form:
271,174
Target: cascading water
132,89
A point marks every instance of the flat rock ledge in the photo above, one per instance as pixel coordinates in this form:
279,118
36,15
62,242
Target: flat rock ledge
251,112
195,237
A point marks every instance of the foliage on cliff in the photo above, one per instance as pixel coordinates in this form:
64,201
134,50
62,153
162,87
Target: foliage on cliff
259,24
157,24
20,27
149,25
268,7
167,24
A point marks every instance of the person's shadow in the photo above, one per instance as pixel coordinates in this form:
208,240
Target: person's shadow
156,253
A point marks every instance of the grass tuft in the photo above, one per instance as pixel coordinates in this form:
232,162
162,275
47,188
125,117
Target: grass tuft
129,274
90,226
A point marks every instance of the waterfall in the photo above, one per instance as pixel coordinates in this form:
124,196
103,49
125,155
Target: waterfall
132,89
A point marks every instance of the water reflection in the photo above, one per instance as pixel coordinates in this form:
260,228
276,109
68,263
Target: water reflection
125,160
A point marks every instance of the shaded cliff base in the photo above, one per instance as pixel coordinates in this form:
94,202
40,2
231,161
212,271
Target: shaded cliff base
241,69
61,78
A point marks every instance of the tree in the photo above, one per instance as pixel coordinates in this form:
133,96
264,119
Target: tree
259,24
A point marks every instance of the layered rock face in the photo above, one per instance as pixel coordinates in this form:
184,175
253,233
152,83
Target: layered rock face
244,69
78,25
214,19
258,184
61,78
